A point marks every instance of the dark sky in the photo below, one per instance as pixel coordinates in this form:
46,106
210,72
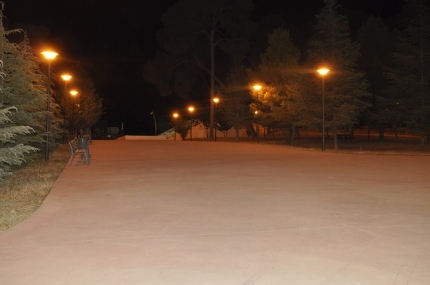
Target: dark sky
113,39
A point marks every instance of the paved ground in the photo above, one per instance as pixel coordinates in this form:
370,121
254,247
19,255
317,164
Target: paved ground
166,212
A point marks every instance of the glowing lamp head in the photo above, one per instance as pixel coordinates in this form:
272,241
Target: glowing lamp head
191,109
66,77
323,71
216,99
175,115
257,87
73,93
49,55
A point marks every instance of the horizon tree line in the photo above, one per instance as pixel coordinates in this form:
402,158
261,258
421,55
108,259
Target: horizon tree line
380,80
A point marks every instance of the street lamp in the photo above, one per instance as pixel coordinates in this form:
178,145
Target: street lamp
323,72
257,88
66,78
74,93
258,127
155,122
216,101
50,56
191,110
175,116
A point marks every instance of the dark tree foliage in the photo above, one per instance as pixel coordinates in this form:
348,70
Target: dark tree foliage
345,86
198,34
279,103
83,110
234,105
410,75
13,131
376,44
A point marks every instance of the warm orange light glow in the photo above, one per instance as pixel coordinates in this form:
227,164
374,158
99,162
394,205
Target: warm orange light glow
191,109
323,71
256,87
175,115
66,77
49,55
216,99
73,92
256,112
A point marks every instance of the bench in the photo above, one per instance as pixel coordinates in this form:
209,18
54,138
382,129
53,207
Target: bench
80,147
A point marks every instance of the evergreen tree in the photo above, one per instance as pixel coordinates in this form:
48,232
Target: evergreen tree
234,106
25,88
345,86
376,44
280,103
12,152
410,75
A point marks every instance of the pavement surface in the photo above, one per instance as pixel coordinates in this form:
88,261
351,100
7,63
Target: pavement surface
181,212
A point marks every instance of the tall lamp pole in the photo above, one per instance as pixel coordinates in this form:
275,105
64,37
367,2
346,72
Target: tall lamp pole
257,89
73,93
191,110
50,56
216,101
257,127
323,72
175,116
155,122
66,78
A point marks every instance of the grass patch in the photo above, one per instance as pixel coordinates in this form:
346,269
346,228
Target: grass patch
23,192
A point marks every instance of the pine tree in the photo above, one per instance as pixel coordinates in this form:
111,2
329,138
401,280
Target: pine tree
376,44
234,107
345,86
410,75
280,103
24,88
12,153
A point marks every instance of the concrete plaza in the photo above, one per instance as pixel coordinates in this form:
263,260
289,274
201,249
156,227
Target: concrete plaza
190,212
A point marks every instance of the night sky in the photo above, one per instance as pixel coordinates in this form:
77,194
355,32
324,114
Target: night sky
113,39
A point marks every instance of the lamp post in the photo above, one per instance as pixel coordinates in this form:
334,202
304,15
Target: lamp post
50,56
175,116
155,122
216,101
257,88
323,72
191,110
257,127
66,78
74,93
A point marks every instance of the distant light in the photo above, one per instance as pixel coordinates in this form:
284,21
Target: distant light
256,112
257,87
191,109
74,92
323,71
175,115
216,99
66,77
49,55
